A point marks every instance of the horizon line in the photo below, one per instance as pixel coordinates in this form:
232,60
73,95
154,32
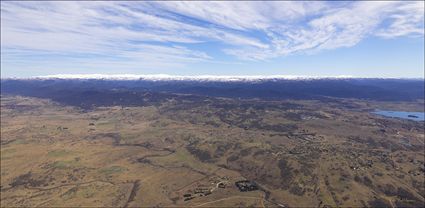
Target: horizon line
161,77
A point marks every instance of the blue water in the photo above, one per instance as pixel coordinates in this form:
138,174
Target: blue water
420,116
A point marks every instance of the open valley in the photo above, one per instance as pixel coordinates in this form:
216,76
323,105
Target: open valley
202,151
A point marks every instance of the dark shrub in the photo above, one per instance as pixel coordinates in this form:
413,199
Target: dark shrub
379,203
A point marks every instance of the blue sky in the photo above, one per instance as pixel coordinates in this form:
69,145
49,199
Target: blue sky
361,39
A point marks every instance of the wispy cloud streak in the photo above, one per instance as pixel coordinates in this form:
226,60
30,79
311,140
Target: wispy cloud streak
166,34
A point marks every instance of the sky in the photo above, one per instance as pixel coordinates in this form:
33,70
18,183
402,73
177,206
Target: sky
316,38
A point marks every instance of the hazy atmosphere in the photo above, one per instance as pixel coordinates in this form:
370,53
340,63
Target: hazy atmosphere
361,39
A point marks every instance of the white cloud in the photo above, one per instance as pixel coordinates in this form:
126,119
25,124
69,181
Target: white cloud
407,20
149,34
337,27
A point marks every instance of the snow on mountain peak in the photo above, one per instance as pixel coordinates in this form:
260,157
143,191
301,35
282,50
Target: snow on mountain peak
166,77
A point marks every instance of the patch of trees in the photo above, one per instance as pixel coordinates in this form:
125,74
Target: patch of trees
367,181
232,158
388,189
202,155
379,203
344,177
259,152
245,152
364,180
409,203
407,199
420,186
27,179
221,150
286,173
403,194
297,190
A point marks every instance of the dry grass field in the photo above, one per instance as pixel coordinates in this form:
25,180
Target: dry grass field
190,153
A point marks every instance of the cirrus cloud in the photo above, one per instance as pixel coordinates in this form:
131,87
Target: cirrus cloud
165,34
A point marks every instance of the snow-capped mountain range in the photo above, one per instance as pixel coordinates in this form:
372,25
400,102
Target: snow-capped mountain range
262,87
166,77
200,78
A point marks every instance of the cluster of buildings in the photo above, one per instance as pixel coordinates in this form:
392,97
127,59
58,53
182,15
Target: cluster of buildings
218,183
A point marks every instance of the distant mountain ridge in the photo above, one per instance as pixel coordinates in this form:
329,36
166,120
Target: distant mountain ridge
211,78
76,90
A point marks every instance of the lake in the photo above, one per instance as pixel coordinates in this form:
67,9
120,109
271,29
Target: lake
416,116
